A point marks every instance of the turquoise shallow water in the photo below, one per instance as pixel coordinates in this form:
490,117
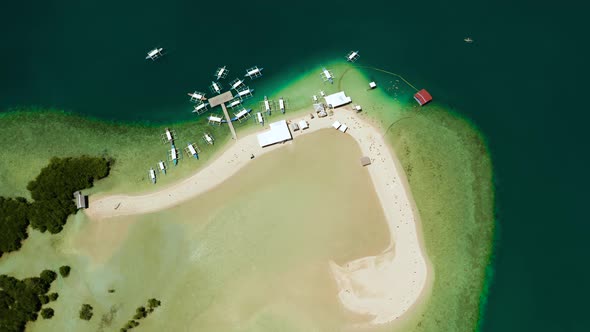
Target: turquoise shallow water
520,83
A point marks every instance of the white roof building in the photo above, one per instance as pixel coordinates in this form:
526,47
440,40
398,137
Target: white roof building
337,99
278,133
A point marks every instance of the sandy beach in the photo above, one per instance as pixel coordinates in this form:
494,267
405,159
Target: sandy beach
384,286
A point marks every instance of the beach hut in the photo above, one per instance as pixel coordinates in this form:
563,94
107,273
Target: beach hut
372,85
303,125
423,97
81,200
343,128
365,161
336,125
357,108
294,126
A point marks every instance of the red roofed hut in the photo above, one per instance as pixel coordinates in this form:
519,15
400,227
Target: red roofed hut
423,97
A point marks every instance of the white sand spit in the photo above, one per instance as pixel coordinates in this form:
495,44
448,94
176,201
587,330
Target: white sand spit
384,286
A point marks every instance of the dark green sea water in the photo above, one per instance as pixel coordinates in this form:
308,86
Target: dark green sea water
521,83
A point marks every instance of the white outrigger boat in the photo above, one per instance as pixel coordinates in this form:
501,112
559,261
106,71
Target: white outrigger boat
243,94
216,87
155,53
174,155
220,73
235,84
254,72
267,105
468,40
197,96
352,56
208,138
153,175
327,76
193,150
236,102
260,118
162,166
200,108
282,105
168,137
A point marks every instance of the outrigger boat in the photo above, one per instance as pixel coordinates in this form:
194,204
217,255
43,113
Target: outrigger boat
216,87
254,72
153,175
192,150
260,118
169,136
352,56
468,40
174,155
197,96
245,93
221,73
236,83
162,166
200,108
267,105
282,105
154,54
327,76
208,138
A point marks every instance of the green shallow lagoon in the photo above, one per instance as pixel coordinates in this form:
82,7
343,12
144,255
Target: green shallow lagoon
437,161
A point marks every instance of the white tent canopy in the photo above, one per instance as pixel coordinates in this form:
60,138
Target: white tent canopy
337,99
279,132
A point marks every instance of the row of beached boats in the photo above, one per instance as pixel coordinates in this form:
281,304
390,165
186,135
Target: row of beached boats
191,149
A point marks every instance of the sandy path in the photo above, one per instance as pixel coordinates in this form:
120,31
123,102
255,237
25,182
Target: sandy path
384,286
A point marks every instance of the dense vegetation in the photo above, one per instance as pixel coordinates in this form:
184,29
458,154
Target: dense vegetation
53,201
140,313
86,312
64,271
13,223
20,300
47,313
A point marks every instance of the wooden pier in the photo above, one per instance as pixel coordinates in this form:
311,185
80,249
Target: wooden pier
221,100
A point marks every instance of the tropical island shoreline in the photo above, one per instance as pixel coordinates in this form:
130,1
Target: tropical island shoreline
384,286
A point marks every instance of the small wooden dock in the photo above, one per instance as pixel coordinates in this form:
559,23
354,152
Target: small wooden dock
221,100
